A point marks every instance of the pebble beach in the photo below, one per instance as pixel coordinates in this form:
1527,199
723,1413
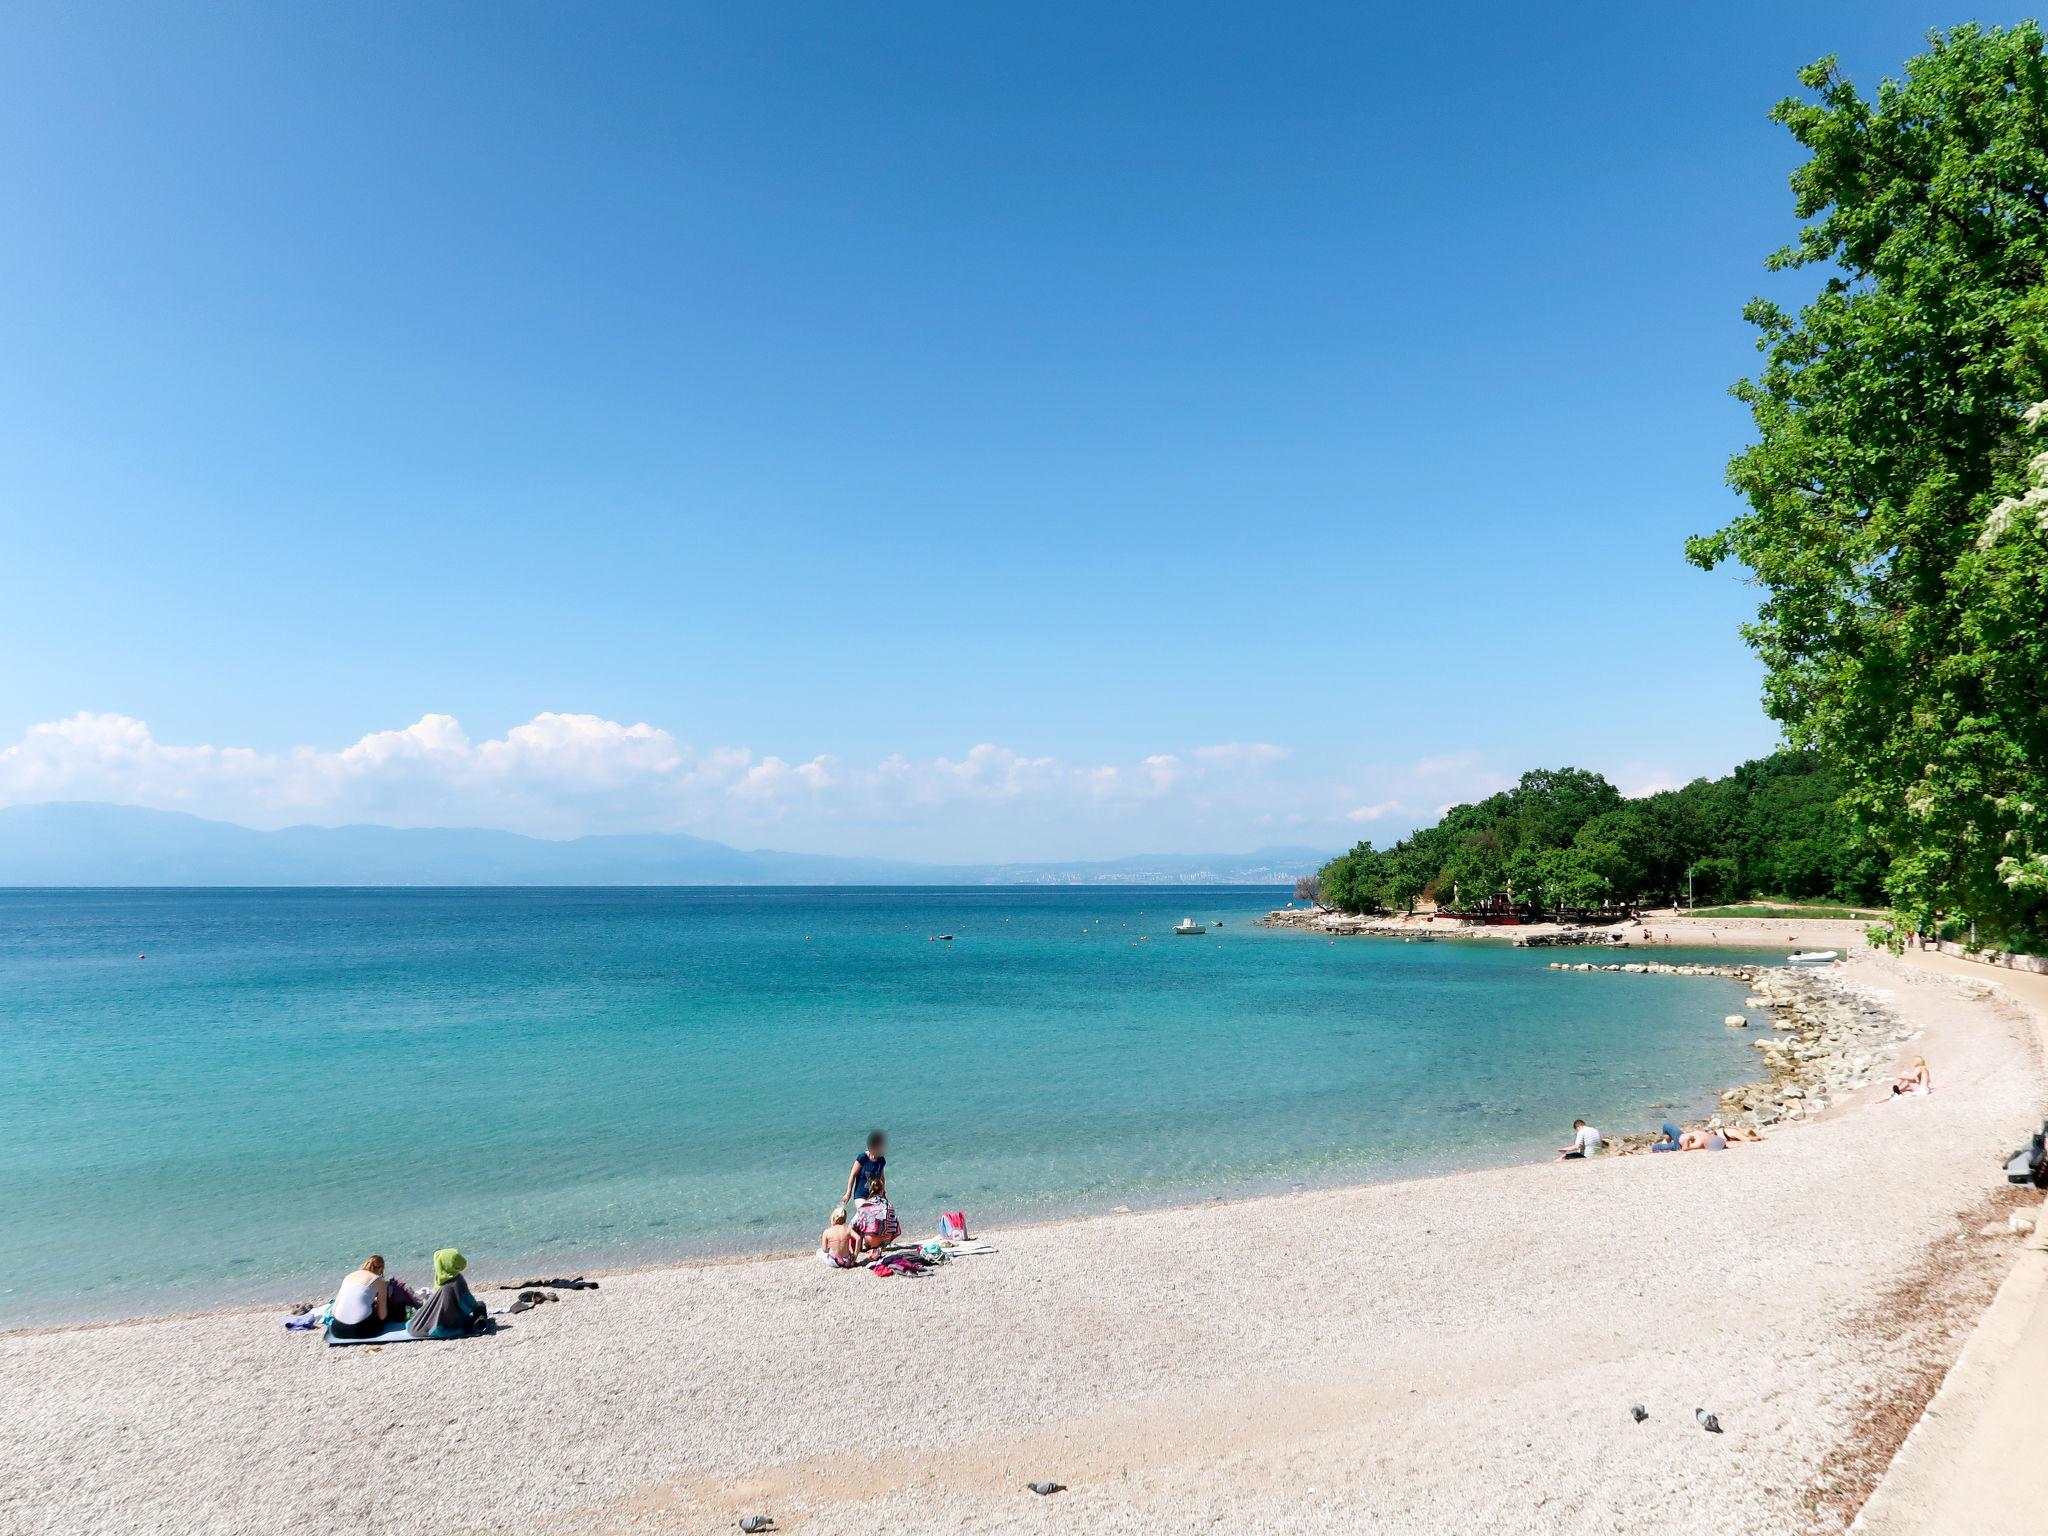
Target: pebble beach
1457,1353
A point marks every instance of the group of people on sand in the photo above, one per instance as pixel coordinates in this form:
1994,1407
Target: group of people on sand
369,1302
1718,1136
864,1223
1715,1137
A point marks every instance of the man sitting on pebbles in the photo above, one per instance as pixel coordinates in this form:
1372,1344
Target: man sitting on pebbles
1585,1142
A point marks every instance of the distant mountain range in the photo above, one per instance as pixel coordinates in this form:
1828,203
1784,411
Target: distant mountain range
91,844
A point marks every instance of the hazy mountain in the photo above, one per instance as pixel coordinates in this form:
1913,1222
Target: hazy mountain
86,843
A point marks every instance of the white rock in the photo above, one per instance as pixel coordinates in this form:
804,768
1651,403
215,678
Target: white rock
1736,1021
2020,1222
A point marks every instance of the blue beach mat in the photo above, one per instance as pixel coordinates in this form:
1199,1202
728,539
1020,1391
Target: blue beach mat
395,1334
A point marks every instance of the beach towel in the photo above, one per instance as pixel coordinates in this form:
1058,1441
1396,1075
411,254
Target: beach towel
395,1334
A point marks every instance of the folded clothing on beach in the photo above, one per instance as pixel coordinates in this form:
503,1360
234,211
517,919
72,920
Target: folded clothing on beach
899,1264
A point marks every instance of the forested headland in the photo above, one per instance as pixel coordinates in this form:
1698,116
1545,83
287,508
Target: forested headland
1568,838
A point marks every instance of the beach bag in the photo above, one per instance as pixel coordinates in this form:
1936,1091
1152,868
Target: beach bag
953,1226
877,1219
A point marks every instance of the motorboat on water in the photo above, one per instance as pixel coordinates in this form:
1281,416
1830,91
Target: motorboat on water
1187,927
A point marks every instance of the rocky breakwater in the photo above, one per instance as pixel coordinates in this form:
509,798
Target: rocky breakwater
1837,1037
1830,1036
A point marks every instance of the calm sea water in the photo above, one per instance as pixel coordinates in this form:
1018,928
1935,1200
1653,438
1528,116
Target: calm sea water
291,1079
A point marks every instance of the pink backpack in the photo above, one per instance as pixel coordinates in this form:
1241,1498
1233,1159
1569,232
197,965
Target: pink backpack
953,1225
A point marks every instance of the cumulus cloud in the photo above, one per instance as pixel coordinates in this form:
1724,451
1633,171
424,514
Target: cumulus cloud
1373,812
558,774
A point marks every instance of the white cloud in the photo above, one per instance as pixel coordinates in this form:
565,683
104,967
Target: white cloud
1373,812
560,774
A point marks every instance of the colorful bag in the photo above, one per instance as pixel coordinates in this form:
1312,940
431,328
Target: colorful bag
953,1226
876,1219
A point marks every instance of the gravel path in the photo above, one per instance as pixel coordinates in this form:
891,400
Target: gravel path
1454,1354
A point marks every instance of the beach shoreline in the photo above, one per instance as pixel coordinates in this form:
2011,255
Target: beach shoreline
1667,929
1620,1141
1331,1359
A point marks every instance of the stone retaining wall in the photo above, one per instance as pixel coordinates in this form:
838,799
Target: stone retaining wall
2034,963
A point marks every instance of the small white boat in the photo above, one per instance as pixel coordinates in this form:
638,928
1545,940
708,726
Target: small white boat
1188,927
1812,957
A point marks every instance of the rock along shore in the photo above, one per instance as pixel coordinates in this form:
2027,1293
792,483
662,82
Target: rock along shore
1831,1036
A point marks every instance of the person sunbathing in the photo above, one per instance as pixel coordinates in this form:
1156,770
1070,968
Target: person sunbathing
1915,1080
1736,1133
363,1302
453,1311
1669,1140
837,1244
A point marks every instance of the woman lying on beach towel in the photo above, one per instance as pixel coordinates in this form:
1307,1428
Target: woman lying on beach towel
366,1302
452,1312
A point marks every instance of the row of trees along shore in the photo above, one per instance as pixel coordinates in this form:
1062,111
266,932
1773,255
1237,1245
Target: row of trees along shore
1567,838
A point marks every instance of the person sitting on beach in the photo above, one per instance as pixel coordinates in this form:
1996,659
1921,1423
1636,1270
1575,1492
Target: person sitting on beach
1585,1142
453,1311
837,1244
866,1178
363,1302
1916,1079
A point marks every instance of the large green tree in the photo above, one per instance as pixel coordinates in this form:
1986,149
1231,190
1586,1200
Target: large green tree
1891,518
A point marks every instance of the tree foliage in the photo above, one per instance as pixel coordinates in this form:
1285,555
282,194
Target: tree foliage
1897,496
1568,838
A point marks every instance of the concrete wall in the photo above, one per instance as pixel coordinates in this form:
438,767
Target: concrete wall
2035,963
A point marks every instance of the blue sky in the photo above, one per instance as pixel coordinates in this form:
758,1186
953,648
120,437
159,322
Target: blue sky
941,430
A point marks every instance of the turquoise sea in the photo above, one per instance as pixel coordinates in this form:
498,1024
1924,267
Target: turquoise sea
556,1078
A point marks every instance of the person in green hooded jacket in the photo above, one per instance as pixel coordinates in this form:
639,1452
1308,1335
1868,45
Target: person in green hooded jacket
452,1312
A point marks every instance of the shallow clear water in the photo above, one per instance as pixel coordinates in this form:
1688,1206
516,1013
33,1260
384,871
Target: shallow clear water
294,1078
